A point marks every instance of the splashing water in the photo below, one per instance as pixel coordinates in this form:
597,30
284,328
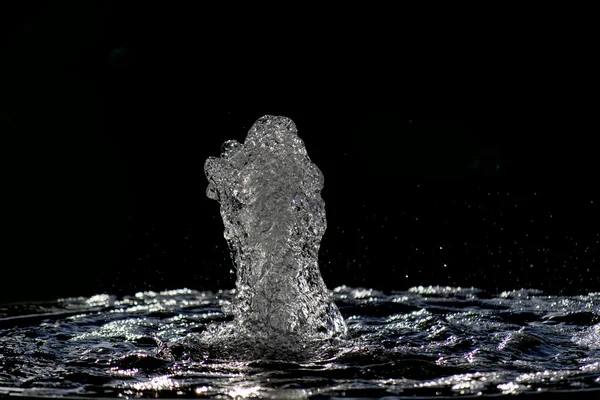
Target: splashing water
274,218
280,333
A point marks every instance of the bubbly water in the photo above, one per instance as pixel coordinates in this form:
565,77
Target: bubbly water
274,217
281,333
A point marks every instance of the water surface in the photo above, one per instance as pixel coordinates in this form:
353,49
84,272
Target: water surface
426,341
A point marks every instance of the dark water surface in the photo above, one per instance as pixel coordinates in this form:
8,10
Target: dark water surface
428,341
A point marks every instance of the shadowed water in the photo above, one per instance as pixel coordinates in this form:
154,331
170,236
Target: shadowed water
422,342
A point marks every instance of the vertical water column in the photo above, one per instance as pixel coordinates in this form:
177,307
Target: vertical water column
274,217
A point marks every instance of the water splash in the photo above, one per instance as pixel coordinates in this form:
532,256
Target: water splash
274,217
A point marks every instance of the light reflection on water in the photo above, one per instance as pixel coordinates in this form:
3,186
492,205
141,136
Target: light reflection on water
426,341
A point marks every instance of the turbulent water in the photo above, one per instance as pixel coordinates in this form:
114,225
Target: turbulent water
281,333
422,342
274,218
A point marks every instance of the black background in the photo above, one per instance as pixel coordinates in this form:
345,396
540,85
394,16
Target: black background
105,130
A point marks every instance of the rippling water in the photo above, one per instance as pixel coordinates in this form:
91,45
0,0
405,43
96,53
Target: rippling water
427,341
